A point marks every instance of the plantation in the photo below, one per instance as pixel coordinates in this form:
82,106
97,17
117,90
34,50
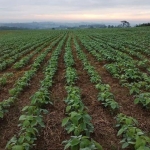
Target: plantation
83,89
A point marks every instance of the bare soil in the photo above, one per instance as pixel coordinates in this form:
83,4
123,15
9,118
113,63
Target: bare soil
16,75
122,96
9,124
52,136
103,121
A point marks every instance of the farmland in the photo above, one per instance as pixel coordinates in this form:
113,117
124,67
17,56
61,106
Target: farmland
75,89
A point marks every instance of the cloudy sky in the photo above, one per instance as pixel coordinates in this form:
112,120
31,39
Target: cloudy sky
74,10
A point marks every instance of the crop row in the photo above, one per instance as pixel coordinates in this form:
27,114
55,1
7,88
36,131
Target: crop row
31,121
26,59
132,136
123,68
7,62
78,121
23,81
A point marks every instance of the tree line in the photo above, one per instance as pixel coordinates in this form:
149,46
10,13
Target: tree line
143,25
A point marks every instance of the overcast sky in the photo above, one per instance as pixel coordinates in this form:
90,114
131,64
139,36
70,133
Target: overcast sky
74,10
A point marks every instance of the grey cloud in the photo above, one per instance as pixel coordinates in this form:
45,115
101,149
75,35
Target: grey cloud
72,3
19,7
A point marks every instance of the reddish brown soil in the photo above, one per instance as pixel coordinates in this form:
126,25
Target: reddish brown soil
9,124
121,94
104,131
27,53
134,57
17,74
53,134
26,67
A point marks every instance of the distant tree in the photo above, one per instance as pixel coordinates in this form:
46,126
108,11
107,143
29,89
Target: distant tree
91,27
143,25
110,26
125,23
11,28
119,26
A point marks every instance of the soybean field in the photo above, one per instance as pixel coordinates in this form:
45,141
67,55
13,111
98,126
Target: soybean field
85,89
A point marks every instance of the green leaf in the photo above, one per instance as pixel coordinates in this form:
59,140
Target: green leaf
85,143
75,120
21,139
143,148
73,114
65,121
147,101
87,118
28,138
26,123
97,145
42,124
18,147
75,142
120,131
68,108
1,114
77,132
136,101
33,123
22,117
70,130
114,105
67,145
25,108
125,145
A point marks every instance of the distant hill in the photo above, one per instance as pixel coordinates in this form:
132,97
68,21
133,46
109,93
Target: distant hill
49,25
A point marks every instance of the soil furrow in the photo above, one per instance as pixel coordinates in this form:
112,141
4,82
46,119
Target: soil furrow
19,58
122,96
104,130
9,124
27,66
134,57
17,74
53,134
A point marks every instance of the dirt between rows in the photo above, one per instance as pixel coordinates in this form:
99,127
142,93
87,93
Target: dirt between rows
9,124
103,122
122,96
16,75
134,57
52,136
